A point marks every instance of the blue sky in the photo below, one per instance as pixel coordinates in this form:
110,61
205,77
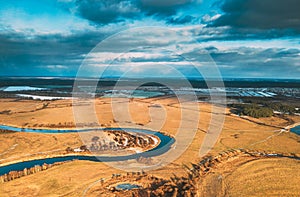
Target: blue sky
242,38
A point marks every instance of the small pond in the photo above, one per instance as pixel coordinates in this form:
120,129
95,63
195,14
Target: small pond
127,186
296,130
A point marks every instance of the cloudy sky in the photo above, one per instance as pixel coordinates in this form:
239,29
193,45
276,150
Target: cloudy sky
239,38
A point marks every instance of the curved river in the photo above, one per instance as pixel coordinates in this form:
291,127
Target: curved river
165,144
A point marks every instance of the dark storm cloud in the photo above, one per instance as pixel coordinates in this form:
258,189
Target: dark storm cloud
260,14
164,8
104,12
44,54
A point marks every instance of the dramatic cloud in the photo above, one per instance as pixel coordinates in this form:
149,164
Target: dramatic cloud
258,62
260,14
164,8
103,11
40,55
245,38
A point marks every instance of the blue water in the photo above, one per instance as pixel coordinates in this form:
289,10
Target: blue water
133,94
164,146
296,130
127,186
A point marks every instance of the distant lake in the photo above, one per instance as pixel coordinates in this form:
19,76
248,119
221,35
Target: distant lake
21,88
133,94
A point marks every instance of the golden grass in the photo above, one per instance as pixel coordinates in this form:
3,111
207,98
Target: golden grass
16,146
265,177
70,179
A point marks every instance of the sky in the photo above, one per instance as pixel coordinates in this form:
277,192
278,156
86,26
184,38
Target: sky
150,38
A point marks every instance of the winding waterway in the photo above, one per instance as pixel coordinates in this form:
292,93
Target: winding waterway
164,145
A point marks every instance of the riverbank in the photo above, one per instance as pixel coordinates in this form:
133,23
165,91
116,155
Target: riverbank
158,141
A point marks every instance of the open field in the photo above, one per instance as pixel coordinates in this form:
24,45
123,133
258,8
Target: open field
71,179
253,177
265,177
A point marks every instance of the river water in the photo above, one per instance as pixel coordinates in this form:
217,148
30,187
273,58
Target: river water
165,144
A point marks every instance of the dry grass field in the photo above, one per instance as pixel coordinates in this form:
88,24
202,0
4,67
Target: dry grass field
71,179
265,177
253,177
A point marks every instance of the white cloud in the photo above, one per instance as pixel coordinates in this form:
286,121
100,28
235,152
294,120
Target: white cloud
56,67
122,57
207,18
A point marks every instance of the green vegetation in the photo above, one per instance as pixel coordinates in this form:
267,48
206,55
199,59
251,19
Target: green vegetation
275,106
257,111
262,107
254,110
